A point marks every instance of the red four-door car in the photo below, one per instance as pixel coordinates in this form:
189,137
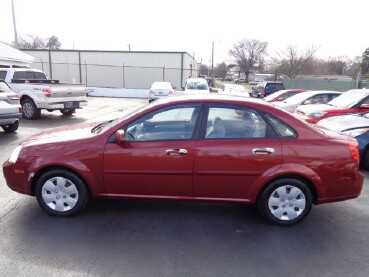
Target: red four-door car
200,147
353,101
282,95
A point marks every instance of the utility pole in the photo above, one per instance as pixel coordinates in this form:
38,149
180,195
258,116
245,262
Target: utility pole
15,28
212,64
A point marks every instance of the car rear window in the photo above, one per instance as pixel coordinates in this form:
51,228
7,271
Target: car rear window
29,75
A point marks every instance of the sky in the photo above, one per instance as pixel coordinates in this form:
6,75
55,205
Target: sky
338,28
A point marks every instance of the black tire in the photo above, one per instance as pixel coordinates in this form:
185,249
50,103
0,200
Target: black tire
29,109
11,128
68,111
289,208
61,193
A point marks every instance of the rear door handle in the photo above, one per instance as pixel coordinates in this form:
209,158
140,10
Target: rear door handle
176,152
263,151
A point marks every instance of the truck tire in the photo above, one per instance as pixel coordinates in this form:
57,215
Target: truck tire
29,109
68,111
11,128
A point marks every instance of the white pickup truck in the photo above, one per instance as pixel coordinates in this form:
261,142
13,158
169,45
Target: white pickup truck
36,92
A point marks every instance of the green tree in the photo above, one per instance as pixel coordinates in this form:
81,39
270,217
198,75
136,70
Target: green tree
365,61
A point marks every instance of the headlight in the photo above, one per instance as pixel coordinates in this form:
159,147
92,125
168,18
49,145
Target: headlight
356,132
315,114
15,154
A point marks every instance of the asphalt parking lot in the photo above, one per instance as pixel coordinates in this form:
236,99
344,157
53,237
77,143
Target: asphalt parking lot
167,238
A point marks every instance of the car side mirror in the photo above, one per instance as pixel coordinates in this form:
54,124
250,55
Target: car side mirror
120,136
279,99
364,106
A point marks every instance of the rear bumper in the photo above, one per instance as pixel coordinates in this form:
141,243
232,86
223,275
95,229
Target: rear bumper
11,118
61,105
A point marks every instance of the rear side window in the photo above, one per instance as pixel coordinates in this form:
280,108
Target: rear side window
29,75
283,130
234,122
2,75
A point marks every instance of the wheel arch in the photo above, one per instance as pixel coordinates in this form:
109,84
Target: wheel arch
301,178
39,173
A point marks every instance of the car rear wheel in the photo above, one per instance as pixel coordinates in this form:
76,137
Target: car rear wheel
68,111
285,202
61,193
30,111
11,128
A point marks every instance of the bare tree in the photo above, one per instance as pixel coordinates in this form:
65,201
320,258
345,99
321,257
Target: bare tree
290,61
35,42
31,42
247,53
221,70
204,69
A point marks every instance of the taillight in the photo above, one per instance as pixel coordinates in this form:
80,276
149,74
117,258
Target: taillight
354,149
13,96
46,92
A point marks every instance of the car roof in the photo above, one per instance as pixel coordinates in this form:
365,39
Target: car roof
201,80
209,97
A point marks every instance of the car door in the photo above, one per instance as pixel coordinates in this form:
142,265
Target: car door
157,156
237,147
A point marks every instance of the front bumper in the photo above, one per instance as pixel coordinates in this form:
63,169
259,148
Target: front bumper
17,177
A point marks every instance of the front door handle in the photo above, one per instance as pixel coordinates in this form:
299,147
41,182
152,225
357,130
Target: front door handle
176,152
263,151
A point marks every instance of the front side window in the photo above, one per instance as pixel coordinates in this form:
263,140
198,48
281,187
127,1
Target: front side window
234,122
171,123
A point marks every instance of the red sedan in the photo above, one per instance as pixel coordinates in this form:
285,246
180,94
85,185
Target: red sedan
282,95
200,147
351,102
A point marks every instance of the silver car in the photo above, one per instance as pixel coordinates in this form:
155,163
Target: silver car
160,89
10,109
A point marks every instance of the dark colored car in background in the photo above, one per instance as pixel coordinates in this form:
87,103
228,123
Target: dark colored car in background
264,89
355,125
200,147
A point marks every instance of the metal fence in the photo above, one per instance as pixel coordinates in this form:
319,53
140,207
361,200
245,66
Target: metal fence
114,76
335,85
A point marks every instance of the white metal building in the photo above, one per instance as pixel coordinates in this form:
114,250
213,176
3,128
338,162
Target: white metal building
115,69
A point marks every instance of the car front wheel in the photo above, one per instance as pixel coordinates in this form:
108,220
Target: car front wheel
61,193
285,202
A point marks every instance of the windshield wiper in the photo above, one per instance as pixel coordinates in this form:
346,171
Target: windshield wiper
98,127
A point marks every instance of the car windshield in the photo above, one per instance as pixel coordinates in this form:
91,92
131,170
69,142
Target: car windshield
197,85
274,95
348,99
110,123
161,85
